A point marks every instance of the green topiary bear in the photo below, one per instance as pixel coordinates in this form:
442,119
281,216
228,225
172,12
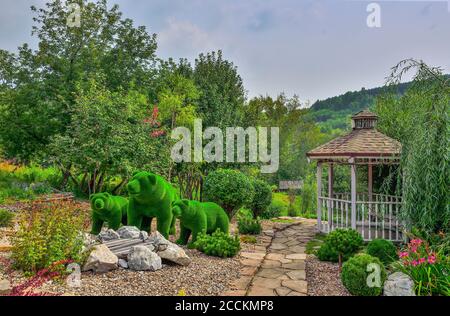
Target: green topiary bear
108,208
197,217
151,196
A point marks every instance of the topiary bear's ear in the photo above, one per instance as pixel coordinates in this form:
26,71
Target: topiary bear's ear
136,172
107,194
91,197
185,202
152,179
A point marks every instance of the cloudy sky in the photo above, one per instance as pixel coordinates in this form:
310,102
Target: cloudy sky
312,48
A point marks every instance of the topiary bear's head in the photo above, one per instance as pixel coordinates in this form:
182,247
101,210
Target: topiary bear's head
100,201
180,207
141,185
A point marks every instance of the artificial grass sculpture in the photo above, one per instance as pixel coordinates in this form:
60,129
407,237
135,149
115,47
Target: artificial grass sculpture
108,208
151,196
197,217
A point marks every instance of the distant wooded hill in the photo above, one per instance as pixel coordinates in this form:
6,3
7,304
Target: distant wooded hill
333,114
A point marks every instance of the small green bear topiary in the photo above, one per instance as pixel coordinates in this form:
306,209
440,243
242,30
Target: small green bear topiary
197,217
382,249
363,275
109,209
151,196
346,242
218,244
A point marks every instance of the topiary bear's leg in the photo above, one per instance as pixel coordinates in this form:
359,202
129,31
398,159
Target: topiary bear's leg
223,224
115,222
97,225
146,224
184,236
173,230
164,224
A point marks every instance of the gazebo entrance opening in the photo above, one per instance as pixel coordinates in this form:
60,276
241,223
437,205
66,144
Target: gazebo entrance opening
374,215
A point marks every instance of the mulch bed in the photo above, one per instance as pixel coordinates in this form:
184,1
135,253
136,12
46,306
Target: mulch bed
323,278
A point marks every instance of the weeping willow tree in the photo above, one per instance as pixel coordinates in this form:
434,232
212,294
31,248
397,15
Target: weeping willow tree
419,120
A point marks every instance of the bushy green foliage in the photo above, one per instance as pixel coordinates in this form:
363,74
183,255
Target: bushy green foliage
218,244
262,197
382,249
344,242
327,253
273,211
6,218
355,275
420,121
40,84
47,236
251,226
26,182
103,140
231,189
309,195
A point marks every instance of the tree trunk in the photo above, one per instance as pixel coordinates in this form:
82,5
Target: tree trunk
119,186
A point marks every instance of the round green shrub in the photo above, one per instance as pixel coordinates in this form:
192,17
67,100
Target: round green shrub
231,189
218,244
262,197
249,226
346,242
355,275
327,253
382,249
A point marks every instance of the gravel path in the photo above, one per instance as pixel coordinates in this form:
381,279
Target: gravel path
205,276
323,278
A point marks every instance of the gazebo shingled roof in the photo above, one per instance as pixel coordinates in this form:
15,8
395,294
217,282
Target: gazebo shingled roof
364,141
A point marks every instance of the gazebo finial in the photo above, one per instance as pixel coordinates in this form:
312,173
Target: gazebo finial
364,120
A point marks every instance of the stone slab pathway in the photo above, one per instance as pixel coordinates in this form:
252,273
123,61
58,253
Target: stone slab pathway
280,269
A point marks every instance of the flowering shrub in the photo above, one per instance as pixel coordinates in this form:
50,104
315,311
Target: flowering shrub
48,235
430,269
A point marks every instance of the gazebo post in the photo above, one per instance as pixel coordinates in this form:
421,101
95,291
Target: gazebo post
353,191
330,194
319,195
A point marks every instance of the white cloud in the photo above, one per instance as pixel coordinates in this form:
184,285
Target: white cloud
184,39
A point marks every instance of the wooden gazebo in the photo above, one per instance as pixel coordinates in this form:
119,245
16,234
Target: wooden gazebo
374,215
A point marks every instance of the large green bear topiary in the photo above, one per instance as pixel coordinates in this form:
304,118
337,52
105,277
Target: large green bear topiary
151,196
197,217
109,209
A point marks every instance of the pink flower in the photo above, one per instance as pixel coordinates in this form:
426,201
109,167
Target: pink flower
403,254
432,259
422,260
415,263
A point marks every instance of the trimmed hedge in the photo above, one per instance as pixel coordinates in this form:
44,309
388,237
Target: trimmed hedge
356,275
382,249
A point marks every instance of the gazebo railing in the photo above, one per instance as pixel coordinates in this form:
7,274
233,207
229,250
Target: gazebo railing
378,218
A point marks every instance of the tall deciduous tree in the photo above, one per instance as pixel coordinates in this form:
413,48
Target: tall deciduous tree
222,90
39,86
